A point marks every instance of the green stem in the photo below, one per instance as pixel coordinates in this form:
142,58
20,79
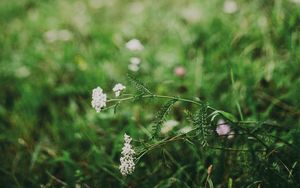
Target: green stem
162,97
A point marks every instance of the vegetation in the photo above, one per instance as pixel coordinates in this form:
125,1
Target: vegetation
188,68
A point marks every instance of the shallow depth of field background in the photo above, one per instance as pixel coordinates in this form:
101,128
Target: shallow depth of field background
53,53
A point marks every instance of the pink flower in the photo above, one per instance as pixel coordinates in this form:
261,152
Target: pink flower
179,71
222,129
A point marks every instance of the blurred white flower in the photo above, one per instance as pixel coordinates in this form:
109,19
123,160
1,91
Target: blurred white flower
65,35
134,64
22,72
127,165
222,128
96,3
192,14
135,60
296,1
99,99
168,126
185,129
231,135
134,45
230,7
118,88
133,67
58,35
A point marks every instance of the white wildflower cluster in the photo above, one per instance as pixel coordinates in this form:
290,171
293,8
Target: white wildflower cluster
118,88
127,165
230,7
134,45
134,64
58,35
98,99
168,126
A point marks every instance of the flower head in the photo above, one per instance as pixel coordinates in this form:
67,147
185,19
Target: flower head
98,99
127,165
223,129
118,88
134,64
231,135
168,126
134,45
179,71
230,7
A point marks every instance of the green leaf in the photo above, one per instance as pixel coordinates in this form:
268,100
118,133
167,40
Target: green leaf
226,115
210,183
230,183
142,89
160,117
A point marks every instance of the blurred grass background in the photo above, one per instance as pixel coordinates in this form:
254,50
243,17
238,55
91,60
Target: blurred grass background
53,53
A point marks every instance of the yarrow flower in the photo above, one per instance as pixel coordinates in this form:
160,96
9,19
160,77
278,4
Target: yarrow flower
134,45
222,129
230,7
168,126
134,64
127,165
98,99
118,88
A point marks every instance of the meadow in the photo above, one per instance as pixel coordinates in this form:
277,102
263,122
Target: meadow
212,95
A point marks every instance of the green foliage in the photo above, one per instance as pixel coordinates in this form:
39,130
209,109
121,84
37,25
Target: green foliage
200,121
140,87
245,64
161,116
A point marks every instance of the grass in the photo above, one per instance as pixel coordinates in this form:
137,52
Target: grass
245,63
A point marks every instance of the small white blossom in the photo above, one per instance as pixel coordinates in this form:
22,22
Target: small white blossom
168,126
135,60
231,135
127,165
134,64
295,1
118,88
134,45
230,7
58,35
98,99
133,68
222,129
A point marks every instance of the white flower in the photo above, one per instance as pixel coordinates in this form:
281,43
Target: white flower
99,99
133,68
58,35
127,165
295,1
222,129
134,64
168,126
230,7
118,88
231,135
134,45
135,60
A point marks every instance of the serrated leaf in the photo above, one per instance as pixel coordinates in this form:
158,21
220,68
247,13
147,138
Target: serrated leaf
141,88
160,117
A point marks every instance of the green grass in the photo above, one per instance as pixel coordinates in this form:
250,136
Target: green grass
51,136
